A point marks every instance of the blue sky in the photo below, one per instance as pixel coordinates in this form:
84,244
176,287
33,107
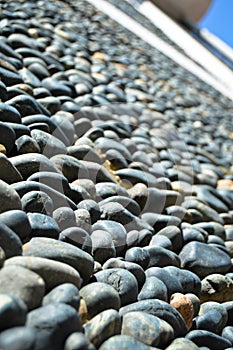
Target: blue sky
219,20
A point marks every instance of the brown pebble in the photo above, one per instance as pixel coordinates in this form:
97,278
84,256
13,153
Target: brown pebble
184,306
2,149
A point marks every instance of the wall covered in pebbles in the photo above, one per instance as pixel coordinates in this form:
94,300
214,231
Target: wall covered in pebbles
116,189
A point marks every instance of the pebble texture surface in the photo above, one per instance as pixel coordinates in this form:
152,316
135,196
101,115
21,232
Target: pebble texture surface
116,188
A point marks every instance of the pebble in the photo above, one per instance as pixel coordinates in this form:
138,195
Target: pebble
184,306
60,251
122,280
208,339
13,312
203,259
98,297
20,338
78,341
18,222
30,287
103,326
156,332
52,332
216,287
160,309
66,293
52,272
124,342
115,166
153,288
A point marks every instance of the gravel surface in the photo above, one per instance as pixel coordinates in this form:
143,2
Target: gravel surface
116,189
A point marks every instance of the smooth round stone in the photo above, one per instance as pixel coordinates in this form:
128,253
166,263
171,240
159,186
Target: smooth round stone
175,235
59,199
124,342
117,232
9,114
10,78
37,202
43,225
26,144
18,338
138,256
29,78
49,144
171,282
78,237
123,281
52,331
182,344
133,176
216,287
104,144
7,137
30,287
229,307
82,125
27,105
70,167
144,238
190,234
202,259
103,326
78,341
39,70
13,311
116,159
99,297
184,306
155,331
9,241
92,207
208,339
61,251
64,217
227,333
160,221
56,181
127,202
89,186
140,193
56,87
98,173
17,221
160,309
28,164
161,257
135,269
83,219
213,228
210,321
189,281
84,152
102,246
65,293
9,173
61,120
153,288
117,212
210,306
161,241
52,272
108,189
